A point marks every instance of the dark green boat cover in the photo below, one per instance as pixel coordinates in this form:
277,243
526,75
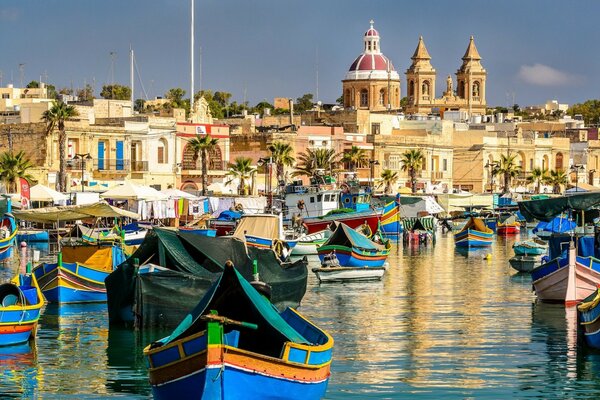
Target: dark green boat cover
418,223
233,297
348,237
547,209
194,263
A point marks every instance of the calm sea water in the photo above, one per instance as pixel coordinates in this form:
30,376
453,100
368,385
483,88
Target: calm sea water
442,324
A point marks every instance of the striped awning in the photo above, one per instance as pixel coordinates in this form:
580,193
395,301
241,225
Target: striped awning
427,223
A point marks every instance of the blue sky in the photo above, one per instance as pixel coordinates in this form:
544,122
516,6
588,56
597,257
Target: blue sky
533,50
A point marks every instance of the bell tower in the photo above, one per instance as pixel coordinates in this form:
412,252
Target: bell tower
471,77
420,81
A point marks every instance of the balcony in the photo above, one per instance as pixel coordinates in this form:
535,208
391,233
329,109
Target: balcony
112,165
139,166
74,165
437,175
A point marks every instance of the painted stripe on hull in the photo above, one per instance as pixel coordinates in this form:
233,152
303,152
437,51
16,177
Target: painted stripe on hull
343,274
60,285
553,287
350,258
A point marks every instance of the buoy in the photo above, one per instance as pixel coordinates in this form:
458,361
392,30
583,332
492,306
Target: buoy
488,256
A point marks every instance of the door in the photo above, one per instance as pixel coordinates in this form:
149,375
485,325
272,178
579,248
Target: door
119,155
100,156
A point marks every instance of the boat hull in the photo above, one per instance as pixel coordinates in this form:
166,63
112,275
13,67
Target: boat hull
71,283
550,281
345,274
351,257
524,263
353,220
589,319
508,230
528,251
473,238
19,319
32,236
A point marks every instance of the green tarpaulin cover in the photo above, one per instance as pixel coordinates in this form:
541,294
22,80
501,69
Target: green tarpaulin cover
547,209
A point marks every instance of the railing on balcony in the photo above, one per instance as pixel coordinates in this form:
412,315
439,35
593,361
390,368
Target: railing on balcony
112,165
75,165
139,166
437,175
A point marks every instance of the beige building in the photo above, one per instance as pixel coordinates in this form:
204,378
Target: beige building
12,98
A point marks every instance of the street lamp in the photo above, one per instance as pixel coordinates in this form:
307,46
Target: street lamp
267,162
576,168
491,166
372,163
83,157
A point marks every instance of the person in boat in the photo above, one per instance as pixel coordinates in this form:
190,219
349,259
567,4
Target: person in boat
365,229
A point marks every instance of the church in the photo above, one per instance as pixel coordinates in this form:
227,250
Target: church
373,84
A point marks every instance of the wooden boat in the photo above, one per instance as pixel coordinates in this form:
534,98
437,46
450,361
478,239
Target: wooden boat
265,231
391,225
236,345
525,263
589,319
131,235
32,235
79,273
353,249
474,234
530,247
21,303
344,274
419,230
567,279
509,226
8,235
308,244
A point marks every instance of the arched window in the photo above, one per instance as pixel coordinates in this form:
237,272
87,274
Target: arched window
558,164
162,152
475,89
364,98
381,97
425,88
461,89
347,99
411,88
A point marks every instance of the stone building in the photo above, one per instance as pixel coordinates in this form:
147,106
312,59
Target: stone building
371,83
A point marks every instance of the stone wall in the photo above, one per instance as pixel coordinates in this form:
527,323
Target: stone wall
31,138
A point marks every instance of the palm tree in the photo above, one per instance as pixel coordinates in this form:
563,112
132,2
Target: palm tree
556,178
412,161
12,168
314,160
241,169
203,145
354,157
388,179
508,168
538,175
55,118
282,154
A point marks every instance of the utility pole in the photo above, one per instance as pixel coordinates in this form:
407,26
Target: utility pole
192,59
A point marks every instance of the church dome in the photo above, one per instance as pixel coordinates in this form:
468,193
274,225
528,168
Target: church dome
372,64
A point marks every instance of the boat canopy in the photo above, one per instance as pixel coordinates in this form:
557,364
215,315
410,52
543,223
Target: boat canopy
262,225
422,223
476,224
557,225
348,237
73,213
233,297
547,209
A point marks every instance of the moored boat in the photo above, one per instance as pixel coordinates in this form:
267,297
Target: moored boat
351,219
235,344
21,303
525,263
8,235
474,234
32,235
308,244
508,226
589,319
530,247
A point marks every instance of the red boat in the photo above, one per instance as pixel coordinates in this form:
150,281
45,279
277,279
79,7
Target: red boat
509,226
353,220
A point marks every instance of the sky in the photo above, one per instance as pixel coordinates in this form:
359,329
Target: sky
532,50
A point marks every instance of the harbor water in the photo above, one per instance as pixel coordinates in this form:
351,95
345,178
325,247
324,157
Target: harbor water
443,323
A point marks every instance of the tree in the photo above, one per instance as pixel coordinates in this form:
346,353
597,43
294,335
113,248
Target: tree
412,161
282,154
116,92
388,180
355,157
86,94
315,160
304,103
260,107
66,91
139,105
590,110
538,175
55,117
241,169
404,102
50,89
12,168
203,145
556,179
340,100
508,168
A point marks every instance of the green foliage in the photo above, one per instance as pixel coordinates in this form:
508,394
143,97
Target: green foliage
33,85
12,168
139,105
314,160
590,110
242,169
66,91
404,102
355,157
304,103
412,161
508,168
556,179
260,107
388,180
86,94
538,175
203,144
340,100
51,89
116,92
282,154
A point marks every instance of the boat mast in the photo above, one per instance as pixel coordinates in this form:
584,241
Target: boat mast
131,79
192,60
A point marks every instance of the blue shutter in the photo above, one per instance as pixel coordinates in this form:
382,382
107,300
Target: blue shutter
119,156
100,155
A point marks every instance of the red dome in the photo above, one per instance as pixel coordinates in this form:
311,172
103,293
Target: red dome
370,62
371,32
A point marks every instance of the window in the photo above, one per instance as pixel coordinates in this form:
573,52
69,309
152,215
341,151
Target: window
5,96
364,98
476,89
411,88
162,151
319,198
381,97
375,129
312,199
444,165
559,161
531,164
425,88
347,102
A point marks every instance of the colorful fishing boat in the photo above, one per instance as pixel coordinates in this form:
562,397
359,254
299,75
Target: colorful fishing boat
131,235
567,278
236,345
8,235
391,225
525,263
508,226
79,273
32,235
308,244
589,319
532,247
474,234
21,303
419,230
352,219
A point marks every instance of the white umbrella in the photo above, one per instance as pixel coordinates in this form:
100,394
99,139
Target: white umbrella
179,194
44,193
131,191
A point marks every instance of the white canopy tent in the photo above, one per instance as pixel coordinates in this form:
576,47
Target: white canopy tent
131,191
45,194
178,194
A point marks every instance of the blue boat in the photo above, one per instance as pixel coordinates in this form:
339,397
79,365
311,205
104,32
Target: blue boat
200,231
474,234
21,303
32,235
391,226
8,235
530,248
544,230
589,319
236,345
78,275
353,249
